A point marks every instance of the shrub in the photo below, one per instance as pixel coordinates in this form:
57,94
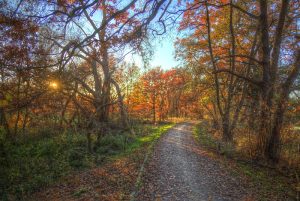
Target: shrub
78,158
111,144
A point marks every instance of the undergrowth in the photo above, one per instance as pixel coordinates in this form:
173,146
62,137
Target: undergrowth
36,162
268,182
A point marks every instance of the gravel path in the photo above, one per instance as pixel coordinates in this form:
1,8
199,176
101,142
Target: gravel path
181,170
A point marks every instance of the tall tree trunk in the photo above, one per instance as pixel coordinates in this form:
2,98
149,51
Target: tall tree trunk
273,147
273,143
226,122
106,87
212,58
266,137
266,99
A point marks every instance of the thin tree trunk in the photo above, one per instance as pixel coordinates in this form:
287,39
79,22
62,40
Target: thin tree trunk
26,109
18,103
4,123
245,88
213,60
154,108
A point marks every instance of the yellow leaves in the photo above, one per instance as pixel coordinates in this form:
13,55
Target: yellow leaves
5,99
205,100
3,103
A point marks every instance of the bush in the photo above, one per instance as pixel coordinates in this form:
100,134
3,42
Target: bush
78,158
34,161
111,144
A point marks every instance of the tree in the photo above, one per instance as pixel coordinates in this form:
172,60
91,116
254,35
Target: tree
238,63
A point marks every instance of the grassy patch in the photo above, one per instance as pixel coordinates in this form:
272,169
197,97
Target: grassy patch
203,136
200,133
297,128
32,164
35,163
150,134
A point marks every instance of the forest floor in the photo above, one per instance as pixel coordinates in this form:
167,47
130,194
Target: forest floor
114,178
113,181
179,168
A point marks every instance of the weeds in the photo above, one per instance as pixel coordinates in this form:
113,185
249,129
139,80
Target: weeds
28,165
268,182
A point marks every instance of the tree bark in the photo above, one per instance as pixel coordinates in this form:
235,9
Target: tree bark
273,148
266,99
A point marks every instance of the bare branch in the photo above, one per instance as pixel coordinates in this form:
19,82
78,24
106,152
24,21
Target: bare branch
255,82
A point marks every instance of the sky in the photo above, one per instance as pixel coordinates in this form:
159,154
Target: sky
164,51
163,54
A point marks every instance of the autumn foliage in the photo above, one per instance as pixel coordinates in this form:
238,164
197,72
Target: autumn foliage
66,76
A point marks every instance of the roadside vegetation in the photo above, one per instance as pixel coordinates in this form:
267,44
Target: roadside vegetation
270,183
77,82
47,157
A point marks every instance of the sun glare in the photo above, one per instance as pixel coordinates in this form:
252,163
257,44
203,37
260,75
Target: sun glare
53,85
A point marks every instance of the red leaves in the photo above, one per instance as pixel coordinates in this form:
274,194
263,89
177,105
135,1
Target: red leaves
18,40
122,18
155,92
63,3
224,1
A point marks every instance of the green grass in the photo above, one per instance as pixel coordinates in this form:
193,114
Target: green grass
207,140
201,135
36,162
150,139
154,132
29,165
297,128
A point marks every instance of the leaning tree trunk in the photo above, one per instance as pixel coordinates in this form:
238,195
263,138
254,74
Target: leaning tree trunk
123,113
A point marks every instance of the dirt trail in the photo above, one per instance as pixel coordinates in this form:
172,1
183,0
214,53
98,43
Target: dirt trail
181,170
